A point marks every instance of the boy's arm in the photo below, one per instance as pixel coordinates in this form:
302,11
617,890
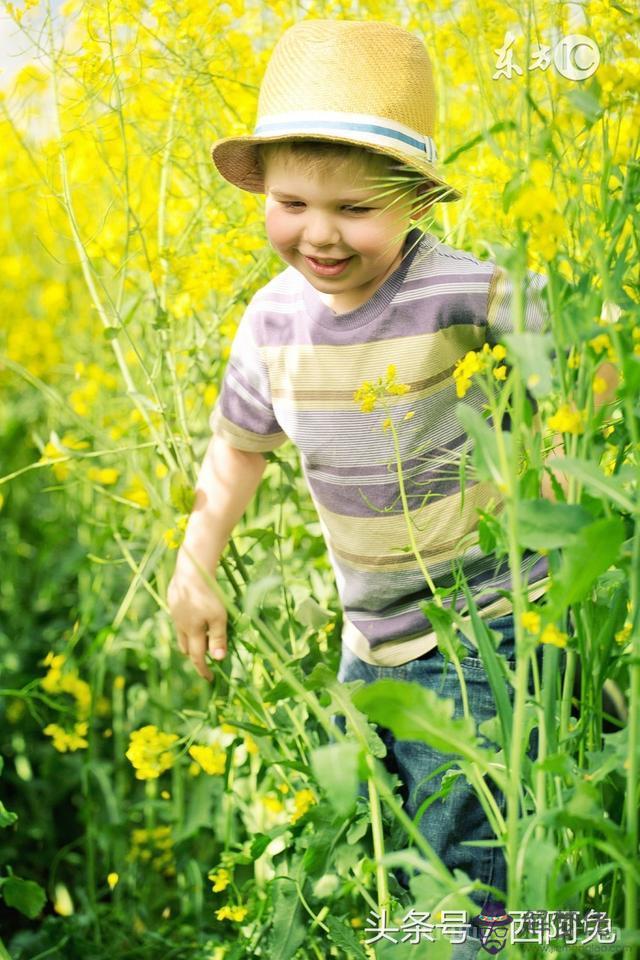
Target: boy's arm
226,483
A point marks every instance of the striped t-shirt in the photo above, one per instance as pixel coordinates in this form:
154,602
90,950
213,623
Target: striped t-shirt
292,372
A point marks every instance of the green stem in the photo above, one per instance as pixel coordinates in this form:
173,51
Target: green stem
378,840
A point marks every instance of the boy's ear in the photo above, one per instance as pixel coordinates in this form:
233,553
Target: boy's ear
421,208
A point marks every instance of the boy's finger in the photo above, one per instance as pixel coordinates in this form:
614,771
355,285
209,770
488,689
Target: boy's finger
217,643
197,647
183,642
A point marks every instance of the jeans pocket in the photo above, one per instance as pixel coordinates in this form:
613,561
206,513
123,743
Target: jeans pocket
506,646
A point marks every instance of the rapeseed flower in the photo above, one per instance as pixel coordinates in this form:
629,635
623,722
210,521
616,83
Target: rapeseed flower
567,419
220,879
211,758
229,912
64,740
302,801
552,635
149,752
368,393
530,620
468,366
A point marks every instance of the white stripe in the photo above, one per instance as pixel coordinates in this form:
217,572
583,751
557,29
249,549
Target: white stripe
427,149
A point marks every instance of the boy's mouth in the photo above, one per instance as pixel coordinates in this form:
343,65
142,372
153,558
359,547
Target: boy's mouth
327,267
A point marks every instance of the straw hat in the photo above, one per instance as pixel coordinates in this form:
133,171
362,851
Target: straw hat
365,83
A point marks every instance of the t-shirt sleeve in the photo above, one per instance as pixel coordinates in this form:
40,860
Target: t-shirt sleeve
243,414
501,304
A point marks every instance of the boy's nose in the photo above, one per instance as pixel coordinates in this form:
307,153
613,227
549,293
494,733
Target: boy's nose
320,231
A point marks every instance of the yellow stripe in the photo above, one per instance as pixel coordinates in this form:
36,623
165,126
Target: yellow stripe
367,543
326,376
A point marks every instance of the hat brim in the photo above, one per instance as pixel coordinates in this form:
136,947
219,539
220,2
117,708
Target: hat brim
236,159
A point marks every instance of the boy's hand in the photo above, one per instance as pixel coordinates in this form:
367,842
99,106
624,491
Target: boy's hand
197,614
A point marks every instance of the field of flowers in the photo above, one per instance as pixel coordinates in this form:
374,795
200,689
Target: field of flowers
143,812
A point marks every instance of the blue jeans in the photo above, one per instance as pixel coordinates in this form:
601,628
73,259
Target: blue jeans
459,816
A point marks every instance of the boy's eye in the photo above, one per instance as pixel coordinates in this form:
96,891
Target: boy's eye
299,203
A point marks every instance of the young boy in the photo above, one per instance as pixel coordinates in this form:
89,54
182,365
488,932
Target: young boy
344,103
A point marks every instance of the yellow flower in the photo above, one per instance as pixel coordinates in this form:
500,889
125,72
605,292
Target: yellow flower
137,493
220,879
499,352
574,360
366,397
64,740
386,424
302,801
473,362
229,912
533,380
409,414
272,804
251,745
112,879
552,635
530,620
623,635
567,419
211,758
599,385
105,475
149,752
500,373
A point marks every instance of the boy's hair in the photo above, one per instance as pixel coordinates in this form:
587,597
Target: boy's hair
321,157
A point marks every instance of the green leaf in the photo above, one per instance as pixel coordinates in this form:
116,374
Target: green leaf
594,549
494,671
485,447
7,817
413,712
586,101
592,477
288,932
546,525
343,936
539,858
24,895
181,492
262,840
485,135
442,622
532,353
335,767
341,701
310,614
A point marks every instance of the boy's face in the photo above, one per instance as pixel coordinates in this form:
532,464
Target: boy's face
309,217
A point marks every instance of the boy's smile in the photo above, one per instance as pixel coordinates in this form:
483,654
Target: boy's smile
310,219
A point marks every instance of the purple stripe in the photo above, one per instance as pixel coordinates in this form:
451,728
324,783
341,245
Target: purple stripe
256,419
430,313
364,500
414,622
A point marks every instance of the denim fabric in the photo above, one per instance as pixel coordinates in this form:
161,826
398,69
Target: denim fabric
459,816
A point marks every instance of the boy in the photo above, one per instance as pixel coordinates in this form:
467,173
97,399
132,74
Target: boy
341,104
